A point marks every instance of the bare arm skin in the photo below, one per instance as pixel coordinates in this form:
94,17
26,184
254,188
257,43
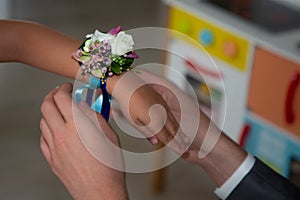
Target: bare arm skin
36,45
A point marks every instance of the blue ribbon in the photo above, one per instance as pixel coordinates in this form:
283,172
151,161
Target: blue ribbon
102,103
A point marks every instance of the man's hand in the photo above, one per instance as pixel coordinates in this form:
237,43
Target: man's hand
65,128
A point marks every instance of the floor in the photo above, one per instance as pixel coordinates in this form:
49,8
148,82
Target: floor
24,174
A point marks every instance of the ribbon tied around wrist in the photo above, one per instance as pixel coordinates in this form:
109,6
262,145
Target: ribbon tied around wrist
102,102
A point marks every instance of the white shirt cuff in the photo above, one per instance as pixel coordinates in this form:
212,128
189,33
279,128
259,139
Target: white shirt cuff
224,191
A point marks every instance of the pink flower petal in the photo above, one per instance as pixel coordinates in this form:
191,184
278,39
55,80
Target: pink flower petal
115,31
132,55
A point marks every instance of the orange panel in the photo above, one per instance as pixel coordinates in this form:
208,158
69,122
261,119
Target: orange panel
271,78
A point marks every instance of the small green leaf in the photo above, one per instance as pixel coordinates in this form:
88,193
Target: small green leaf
128,62
85,58
97,73
115,68
85,53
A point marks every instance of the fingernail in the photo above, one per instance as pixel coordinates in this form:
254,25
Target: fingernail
154,140
57,87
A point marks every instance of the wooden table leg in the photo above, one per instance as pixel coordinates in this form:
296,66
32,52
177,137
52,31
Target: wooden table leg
159,176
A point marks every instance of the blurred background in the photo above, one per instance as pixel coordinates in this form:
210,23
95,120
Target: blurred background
24,173
234,39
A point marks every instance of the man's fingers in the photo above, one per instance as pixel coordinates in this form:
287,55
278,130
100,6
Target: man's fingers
63,101
170,141
45,149
153,140
92,115
46,132
164,127
167,127
50,112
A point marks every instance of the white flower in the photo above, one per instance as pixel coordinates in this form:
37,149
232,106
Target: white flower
87,45
122,44
99,36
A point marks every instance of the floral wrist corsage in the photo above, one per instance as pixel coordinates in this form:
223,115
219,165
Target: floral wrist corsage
103,55
106,54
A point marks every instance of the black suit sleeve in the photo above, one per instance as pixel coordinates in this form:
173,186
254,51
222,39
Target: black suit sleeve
262,183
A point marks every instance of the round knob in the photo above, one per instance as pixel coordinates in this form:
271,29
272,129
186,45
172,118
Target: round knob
230,49
206,37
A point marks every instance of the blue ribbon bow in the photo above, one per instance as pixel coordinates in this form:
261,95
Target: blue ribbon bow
102,103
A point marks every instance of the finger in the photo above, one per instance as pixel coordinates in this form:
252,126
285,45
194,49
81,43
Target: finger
168,140
171,136
166,127
45,149
92,115
153,140
63,101
176,143
154,124
99,121
46,132
173,127
50,112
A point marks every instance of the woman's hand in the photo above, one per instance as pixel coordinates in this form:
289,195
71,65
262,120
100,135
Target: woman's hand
147,111
65,128
186,110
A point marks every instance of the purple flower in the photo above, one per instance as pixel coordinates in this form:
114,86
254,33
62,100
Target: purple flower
77,54
102,48
95,65
92,47
106,53
106,61
85,69
106,44
132,55
115,31
104,70
97,58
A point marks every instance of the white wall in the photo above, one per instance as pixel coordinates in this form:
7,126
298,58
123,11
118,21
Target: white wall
4,9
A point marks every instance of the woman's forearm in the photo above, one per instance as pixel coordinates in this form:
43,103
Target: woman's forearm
38,46
41,47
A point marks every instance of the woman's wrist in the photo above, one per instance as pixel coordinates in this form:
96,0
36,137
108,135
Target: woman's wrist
111,83
125,84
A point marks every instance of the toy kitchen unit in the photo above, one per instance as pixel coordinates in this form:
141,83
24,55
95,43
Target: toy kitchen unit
255,45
